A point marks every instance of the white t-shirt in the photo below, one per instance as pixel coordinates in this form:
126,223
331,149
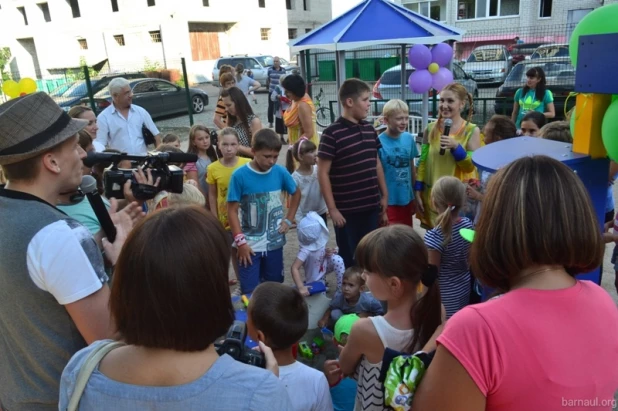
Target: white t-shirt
307,387
310,196
313,263
64,260
124,134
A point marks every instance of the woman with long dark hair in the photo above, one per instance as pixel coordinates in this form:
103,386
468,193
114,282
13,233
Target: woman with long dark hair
241,118
534,96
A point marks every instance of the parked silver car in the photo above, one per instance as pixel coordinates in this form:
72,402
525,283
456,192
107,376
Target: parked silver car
258,64
489,64
389,87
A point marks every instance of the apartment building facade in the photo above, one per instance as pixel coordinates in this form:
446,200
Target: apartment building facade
49,36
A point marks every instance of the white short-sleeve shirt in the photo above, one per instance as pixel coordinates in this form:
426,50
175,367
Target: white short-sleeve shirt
124,134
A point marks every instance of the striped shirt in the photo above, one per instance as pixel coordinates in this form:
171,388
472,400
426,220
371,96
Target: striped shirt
220,110
454,272
353,150
273,77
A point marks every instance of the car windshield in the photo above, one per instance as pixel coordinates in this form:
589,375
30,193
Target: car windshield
546,52
267,61
482,55
554,72
77,89
60,90
391,78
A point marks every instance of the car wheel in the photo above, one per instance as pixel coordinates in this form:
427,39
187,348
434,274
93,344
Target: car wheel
198,104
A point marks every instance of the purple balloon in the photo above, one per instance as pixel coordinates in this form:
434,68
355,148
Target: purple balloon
442,54
419,56
419,81
441,79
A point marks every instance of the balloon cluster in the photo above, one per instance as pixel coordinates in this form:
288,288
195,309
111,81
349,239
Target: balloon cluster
14,89
600,21
430,71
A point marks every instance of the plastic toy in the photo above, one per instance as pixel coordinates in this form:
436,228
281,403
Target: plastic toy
245,300
315,349
319,342
304,350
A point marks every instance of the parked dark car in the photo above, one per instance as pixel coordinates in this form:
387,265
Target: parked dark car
78,90
521,52
158,97
560,75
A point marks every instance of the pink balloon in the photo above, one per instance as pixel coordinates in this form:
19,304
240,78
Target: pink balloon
442,54
419,81
441,79
419,56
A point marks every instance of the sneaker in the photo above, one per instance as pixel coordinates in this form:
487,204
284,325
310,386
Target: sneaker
270,125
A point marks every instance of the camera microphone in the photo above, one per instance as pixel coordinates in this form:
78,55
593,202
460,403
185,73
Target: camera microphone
89,187
447,129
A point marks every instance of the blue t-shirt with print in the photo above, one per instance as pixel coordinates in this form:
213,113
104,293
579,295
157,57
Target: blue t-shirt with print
396,155
260,209
529,103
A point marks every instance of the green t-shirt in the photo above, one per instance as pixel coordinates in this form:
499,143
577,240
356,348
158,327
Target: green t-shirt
529,103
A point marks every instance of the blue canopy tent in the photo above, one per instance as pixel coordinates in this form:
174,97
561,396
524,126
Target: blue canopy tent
374,22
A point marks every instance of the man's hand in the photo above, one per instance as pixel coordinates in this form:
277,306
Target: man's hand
244,255
123,221
140,178
338,220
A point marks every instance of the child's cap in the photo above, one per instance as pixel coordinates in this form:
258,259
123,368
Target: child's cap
344,325
312,232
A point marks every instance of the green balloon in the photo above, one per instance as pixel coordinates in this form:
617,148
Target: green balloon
467,234
609,130
572,123
600,21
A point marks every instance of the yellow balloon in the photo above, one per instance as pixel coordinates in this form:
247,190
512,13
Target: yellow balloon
11,88
433,68
27,86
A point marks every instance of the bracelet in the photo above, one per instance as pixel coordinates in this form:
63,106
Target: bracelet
239,240
459,153
288,222
419,186
338,381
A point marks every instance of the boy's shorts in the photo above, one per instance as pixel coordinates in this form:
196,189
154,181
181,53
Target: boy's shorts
267,266
615,258
401,214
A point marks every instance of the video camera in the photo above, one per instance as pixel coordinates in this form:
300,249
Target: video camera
114,178
234,346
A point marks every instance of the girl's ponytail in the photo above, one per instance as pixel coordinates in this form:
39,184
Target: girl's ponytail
426,313
448,194
445,222
471,107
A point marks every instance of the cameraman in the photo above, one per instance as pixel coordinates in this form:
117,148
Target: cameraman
171,304
53,287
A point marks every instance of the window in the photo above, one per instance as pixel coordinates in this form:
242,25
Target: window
155,36
151,3
119,39
306,5
144,87
545,8
261,3
205,3
165,86
288,4
45,10
430,9
83,44
480,9
265,34
75,8
292,33
23,13
114,6
308,31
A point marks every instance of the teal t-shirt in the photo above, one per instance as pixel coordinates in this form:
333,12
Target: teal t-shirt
529,103
84,213
396,155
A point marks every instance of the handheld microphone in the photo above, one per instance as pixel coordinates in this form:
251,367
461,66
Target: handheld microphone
447,129
89,187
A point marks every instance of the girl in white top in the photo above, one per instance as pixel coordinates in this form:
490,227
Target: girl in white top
306,177
394,262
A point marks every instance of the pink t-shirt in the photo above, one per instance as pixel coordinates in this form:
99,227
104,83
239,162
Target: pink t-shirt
540,350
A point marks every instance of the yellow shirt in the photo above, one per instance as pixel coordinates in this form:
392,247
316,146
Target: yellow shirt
220,175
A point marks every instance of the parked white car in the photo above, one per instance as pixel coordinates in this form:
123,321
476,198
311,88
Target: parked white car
489,64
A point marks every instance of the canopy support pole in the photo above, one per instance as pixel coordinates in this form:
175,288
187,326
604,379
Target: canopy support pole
341,76
404,80
425,110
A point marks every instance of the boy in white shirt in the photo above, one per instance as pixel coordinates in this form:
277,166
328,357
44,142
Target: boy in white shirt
277,315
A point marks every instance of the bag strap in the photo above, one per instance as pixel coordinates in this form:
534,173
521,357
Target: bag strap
94,358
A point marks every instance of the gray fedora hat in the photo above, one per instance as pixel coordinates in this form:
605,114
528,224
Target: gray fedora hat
31,125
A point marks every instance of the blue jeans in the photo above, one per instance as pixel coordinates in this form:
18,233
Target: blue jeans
356,227
267,266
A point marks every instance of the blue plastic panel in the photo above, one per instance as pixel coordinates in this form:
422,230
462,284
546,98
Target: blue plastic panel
596,64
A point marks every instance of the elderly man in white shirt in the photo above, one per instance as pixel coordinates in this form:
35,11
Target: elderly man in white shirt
120,125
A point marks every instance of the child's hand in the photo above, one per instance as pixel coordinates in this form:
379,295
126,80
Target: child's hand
322,323
332,371
338,220
473,194
384,220
244,255
304,291
271,361
283,227
419,201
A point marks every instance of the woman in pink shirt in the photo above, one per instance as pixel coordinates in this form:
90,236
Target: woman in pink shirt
548,342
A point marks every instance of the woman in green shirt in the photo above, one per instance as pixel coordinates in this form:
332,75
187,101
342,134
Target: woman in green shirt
534,96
